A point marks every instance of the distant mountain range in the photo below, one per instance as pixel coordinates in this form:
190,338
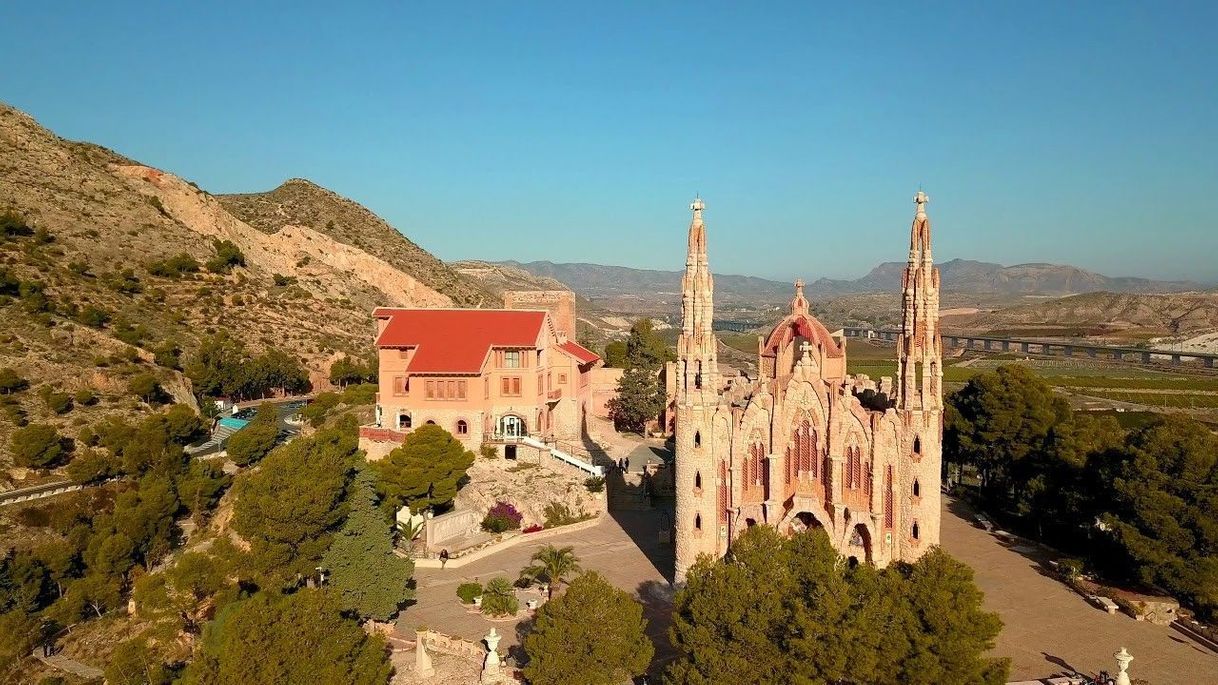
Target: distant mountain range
959,275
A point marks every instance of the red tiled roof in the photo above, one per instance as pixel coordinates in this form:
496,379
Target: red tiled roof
582,354
457,340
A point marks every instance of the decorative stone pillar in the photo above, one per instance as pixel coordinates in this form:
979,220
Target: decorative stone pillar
1122,658
491,667
422,660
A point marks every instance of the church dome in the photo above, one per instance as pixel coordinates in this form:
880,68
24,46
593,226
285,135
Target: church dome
800,324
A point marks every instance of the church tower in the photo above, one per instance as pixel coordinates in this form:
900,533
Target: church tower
919,395
920,347
699,484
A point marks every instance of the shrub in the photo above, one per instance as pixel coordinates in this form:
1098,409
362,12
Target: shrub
10,382
559,514
488,451
502,517
363,393
36,445
499,598
595,484
252,443
125,282
468,591
85,397
168,355
281,280
13,224
174,267
145,387
58,402
94,316
227,256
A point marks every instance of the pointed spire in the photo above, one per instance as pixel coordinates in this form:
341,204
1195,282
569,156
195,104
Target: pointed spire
919,235
799,305
697,232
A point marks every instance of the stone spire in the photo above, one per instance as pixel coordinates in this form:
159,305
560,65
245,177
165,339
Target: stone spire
919,347
799,305
696,352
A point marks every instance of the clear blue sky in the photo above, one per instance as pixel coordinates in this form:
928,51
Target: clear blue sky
1082,132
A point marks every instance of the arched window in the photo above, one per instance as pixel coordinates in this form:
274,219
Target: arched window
404,421
888,508
697,521
462,427
915,530
430,422
917,488
697,439
917,449
698,480
723,499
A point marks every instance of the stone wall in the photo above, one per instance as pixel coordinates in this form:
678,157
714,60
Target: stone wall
560,304
604,388
448,526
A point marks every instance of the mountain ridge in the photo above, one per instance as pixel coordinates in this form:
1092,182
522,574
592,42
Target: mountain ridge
959,275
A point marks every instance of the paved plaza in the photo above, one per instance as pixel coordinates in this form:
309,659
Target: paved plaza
624,547
1048,629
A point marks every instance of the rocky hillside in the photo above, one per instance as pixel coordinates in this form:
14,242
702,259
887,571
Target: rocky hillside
299,202
1100,313
88,300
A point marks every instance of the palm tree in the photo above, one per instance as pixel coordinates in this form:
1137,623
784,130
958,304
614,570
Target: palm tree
551,565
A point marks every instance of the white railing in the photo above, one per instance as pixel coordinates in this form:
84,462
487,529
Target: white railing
564,457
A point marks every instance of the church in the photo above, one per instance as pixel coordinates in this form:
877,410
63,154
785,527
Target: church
805,444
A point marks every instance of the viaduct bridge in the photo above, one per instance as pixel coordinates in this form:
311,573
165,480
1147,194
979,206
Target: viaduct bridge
1045,347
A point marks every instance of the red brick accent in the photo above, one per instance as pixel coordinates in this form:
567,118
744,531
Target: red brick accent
381,434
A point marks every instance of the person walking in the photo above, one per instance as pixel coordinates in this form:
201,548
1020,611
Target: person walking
443,558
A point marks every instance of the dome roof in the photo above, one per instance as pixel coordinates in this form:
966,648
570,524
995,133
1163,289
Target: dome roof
802,325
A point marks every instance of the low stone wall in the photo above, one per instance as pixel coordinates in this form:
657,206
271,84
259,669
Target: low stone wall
490,549
439,529
449,644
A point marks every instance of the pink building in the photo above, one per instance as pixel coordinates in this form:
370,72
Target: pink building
485,375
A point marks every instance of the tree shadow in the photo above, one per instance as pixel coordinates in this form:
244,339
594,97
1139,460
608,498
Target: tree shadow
656,598
516,652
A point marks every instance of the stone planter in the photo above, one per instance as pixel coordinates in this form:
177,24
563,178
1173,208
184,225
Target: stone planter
478,601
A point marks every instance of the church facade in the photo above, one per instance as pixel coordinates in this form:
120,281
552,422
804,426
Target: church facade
804,444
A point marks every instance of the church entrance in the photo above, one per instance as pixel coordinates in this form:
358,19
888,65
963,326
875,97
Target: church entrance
860,544
804,520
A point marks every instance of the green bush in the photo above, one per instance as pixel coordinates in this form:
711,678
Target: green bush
559,514
93,316
58,402
468,591
227,256
281,280
11,382
85,397
145,387
174,266
13,224
252,443
488,451
595,484
125,282
36,446
499,598
364,393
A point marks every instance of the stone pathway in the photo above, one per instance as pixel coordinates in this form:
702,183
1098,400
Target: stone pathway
72,666
1048,629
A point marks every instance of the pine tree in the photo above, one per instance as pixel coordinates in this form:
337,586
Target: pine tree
367,576
639,399
592,635
425,471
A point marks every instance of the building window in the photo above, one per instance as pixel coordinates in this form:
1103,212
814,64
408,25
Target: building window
511,359
697,480
401,385
697,439
462,427
403,421
511,386
888,509
915,530
430,390
562,378
917,448
697,521
430,422
917,488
